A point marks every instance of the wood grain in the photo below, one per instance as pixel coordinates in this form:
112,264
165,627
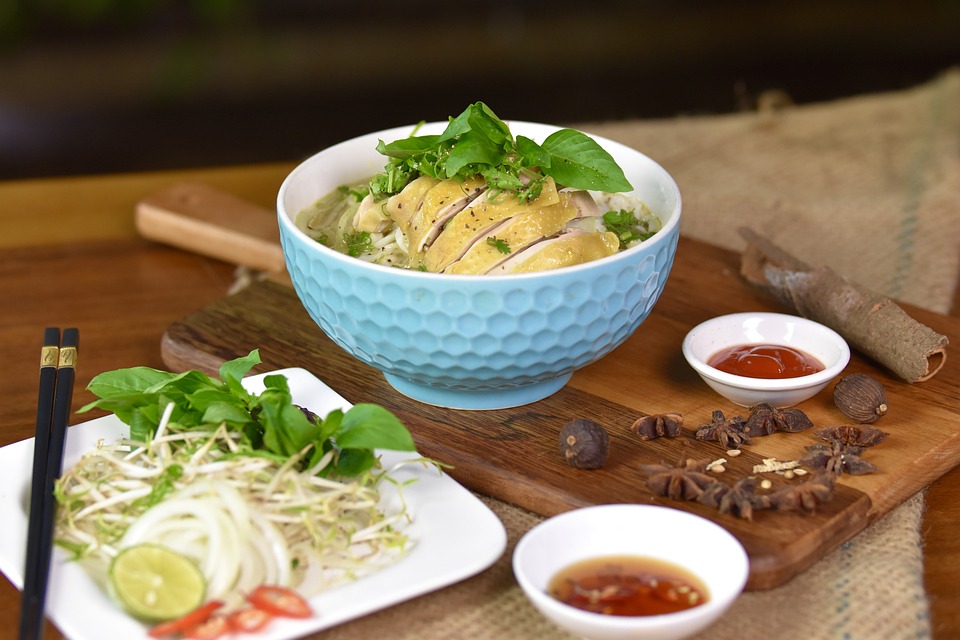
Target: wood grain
513,454
211,222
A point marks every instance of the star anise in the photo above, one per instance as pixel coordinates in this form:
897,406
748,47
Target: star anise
656,426
806,496
684,482
729,432
741,499
765,419
855,435
837,458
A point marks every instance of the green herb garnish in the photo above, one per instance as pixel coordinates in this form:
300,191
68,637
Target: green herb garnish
358,193
478,142
270,423
624,223
498,244
357,243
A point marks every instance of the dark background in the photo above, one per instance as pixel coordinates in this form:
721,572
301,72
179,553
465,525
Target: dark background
92,86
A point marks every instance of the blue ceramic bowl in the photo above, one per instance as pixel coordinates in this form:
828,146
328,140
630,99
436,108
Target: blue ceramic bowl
474,342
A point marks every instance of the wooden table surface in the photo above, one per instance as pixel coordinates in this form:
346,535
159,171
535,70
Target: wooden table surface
72,257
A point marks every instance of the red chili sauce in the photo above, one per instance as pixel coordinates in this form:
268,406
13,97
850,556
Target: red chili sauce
770,361
627,586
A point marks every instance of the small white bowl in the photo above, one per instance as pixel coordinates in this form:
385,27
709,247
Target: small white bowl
698,545
714,335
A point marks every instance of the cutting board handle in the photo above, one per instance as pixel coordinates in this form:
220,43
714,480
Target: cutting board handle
213,223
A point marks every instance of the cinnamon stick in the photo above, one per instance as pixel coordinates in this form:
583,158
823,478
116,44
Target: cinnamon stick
870,322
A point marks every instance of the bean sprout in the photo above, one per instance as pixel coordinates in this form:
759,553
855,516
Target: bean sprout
245,519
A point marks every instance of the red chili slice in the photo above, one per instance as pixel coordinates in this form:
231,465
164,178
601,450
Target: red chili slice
213,627
186,622
280,601
249,620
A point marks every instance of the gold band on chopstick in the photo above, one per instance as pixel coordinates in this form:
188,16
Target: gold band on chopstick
50,356
68,357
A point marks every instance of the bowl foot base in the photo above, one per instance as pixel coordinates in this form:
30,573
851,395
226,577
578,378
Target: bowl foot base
478,400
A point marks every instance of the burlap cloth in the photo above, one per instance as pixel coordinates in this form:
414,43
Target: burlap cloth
869,186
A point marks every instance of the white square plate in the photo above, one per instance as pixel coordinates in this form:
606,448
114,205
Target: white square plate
453,534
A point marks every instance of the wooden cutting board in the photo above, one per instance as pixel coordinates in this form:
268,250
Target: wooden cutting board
513,454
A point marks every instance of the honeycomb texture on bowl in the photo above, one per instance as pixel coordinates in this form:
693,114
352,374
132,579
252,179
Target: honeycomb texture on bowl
477,332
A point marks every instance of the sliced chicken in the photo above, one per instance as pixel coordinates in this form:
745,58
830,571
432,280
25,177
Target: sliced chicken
401,207
369,216
517,233
477,220
570,248
583,201
440,204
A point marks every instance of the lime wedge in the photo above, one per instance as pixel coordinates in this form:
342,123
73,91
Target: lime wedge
155,583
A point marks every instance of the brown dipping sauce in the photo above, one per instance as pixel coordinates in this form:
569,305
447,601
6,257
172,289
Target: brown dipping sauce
768,361
627,586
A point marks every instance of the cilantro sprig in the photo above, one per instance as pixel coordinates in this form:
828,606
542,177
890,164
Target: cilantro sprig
478,142
271,423
625,224
499,244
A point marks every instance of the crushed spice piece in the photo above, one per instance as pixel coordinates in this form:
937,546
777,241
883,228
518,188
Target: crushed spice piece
770,465
719,462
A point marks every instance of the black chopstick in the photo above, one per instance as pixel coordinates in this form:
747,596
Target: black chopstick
49,358
57,373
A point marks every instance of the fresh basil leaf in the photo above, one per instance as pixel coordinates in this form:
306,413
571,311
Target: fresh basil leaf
370,426
330,425
183,384
483,121
457,126
532,154
352,462
278,382
233,371
472,150
576,160
120,405
203,398
286,430
143,423
272,425
409,147
230,412
124,382
477,141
